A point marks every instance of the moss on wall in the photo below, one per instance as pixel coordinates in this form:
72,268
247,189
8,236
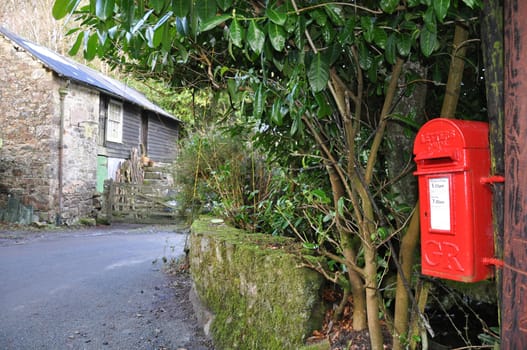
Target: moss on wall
254,286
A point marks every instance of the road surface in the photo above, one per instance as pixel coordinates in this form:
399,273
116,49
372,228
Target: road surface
102,288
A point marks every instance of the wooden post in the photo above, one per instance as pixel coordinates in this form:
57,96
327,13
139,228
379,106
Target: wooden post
109,199
514,290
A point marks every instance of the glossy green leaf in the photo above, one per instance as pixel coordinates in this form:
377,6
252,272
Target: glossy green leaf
310,246
318,73
159,34
61,8
299,30
320,17
236,33
335,14
404,44
128,14
166,37
296,127
213,22
324,109
390,53
149,36
408,25
340,206
205,9
347,34
320,195
224,4
276,36
365,59
255,37
389,6
430,20
104,9
380,37
367,25
182,26
276,113
76,46
157,5
259,102
441,9
473,3
328,34
113,32
276,16
428,41
181,7
90,50
382,232
163,20
102,36
141,22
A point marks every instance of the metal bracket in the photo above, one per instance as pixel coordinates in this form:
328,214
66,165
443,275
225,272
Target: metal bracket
494,261
492,179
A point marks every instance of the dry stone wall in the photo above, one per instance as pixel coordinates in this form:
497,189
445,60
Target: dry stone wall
250,291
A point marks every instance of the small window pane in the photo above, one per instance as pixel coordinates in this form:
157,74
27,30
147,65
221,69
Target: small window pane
114,124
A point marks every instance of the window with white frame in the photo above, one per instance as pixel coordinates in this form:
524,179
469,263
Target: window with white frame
114,122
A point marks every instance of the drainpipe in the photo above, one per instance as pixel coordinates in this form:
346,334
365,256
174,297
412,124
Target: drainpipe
63,91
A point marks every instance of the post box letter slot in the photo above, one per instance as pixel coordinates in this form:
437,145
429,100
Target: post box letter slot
436,158
438,161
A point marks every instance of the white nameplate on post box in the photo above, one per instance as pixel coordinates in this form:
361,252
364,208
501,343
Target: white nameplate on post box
439,203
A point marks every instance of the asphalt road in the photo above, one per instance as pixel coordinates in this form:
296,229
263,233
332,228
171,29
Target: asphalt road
95,289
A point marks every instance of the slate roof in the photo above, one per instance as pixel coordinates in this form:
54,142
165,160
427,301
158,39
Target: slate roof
82,74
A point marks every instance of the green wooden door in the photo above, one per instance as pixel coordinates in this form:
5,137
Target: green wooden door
102,172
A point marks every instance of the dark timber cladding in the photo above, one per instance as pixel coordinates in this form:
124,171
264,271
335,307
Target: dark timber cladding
162,137
514,293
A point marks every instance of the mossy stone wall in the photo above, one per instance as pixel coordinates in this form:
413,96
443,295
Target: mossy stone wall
259,295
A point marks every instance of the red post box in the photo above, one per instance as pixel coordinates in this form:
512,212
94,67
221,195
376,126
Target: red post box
453,162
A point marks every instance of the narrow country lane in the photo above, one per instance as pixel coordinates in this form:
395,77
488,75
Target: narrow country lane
96,288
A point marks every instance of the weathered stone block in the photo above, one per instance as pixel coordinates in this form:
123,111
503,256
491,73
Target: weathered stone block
253,286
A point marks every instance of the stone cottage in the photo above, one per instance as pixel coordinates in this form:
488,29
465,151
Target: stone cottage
65,128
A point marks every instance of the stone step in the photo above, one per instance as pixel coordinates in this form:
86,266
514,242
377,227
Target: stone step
154,175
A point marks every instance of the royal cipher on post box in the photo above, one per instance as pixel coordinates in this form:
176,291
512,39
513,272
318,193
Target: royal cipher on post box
453,161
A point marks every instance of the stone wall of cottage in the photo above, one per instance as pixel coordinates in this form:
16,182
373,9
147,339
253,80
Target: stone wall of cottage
29,131
81,130
30,117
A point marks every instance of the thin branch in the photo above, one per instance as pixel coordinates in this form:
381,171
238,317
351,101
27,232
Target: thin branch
379,135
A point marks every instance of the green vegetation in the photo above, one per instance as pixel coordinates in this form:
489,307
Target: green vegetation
321,101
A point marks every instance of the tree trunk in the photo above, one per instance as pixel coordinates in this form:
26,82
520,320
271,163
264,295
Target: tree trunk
514,288
402,297
455,75
492,48
406,188
355,280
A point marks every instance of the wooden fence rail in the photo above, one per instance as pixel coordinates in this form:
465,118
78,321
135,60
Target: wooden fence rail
138,203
